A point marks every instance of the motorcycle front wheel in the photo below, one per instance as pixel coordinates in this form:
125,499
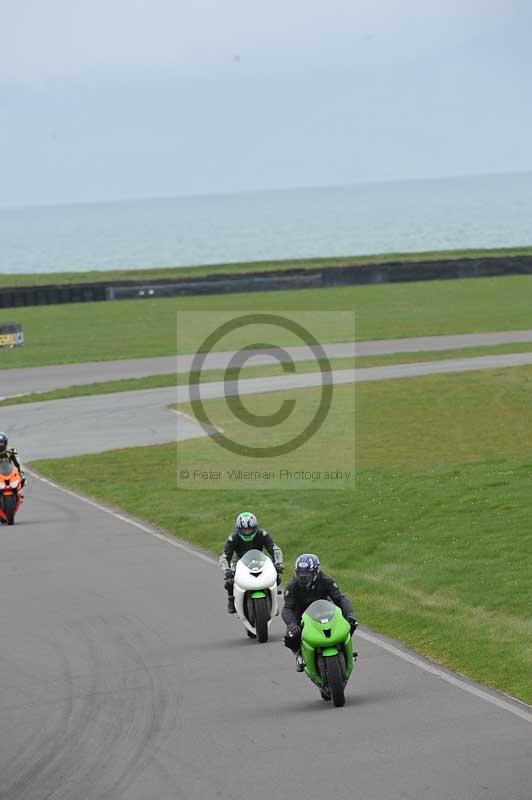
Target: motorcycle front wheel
335,680
9,502
261,618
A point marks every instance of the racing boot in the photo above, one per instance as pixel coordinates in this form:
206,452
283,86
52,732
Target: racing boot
231,605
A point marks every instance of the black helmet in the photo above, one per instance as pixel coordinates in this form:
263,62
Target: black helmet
306,570
3,442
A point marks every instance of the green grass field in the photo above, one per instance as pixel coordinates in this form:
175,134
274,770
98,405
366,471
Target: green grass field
433,543
136,329
37,279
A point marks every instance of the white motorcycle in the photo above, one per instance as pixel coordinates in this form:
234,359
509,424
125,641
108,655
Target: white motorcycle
255,592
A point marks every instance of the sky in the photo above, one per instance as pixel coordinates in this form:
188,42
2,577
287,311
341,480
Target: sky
117,99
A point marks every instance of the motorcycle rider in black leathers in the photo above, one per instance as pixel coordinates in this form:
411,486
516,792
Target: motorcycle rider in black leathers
246,536
307,585
11,455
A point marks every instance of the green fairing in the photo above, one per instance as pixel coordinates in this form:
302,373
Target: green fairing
313,638
258,593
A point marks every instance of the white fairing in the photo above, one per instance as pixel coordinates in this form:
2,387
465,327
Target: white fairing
260,574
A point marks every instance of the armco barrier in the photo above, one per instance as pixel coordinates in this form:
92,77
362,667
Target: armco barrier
222,284
299,278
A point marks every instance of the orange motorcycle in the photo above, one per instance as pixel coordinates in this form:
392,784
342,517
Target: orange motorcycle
10,491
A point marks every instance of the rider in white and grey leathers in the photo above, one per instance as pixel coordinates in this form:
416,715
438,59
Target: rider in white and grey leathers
246,536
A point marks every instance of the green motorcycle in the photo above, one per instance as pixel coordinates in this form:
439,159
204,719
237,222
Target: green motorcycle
327,650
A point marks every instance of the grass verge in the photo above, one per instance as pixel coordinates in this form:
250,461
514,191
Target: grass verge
173,273
433,543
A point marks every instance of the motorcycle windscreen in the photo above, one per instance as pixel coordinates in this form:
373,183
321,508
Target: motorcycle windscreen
321,611
6,467
254,560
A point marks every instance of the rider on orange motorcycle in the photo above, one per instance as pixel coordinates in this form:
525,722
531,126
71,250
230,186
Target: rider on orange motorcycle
10,455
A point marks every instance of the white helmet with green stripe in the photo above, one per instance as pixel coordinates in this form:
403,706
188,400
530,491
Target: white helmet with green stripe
246,525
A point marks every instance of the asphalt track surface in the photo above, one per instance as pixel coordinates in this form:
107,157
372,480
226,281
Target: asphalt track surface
122,677
95,423
43,379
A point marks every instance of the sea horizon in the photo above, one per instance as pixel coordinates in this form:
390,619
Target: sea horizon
417,214
272,190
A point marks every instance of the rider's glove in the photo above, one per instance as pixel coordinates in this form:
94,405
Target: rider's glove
292,637
353,624
229,579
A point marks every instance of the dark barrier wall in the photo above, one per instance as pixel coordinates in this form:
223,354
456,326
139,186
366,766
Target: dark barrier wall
11,297
267,281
